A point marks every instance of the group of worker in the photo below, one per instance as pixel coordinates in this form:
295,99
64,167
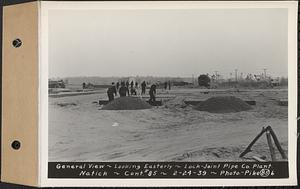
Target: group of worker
166,84
132,88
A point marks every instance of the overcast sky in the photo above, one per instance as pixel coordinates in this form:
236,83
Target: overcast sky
167,42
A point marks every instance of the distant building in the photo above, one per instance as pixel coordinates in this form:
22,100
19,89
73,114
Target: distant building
56,84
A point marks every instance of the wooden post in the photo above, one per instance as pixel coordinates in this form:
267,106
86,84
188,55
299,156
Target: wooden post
271,147
277,143
258,159
248,149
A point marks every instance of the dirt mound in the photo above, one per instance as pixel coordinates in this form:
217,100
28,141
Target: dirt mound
127,103
223,104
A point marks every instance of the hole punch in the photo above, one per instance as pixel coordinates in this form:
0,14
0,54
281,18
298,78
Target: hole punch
16,145
17,43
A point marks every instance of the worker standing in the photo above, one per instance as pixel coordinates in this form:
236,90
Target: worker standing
152,93
127,85
118,85
169,85
111,92
131,88
143,87
123,90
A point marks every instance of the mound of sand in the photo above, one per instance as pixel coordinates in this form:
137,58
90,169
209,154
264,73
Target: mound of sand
223,104
127,103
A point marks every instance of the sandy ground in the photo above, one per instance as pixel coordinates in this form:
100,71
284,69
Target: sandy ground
80,131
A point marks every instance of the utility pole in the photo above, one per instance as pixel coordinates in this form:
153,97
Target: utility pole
216,74
265,72
236,71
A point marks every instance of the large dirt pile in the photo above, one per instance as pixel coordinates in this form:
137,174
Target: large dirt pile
223,104
127,103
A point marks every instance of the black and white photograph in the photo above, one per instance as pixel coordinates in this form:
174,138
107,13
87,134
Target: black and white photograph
168,85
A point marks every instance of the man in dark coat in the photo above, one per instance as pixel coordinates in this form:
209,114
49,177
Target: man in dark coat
123,90
111,91
118,85
152,93
127,85
131,88
166,85
143,85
